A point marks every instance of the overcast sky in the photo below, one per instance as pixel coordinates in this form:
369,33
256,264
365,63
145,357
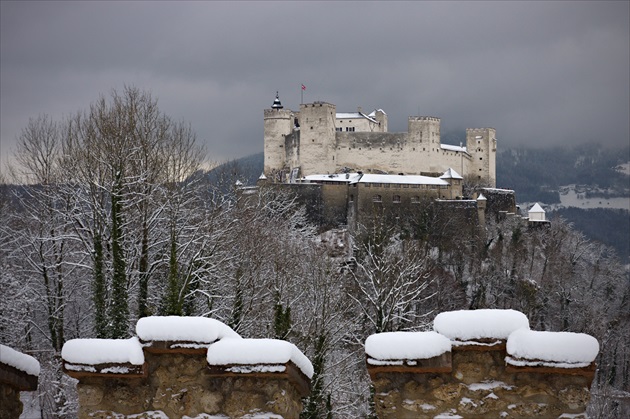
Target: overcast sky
541,73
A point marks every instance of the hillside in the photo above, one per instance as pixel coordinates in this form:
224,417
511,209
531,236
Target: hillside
537,175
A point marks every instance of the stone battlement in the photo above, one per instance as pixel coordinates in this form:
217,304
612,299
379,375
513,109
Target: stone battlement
187,366
482,363
424,118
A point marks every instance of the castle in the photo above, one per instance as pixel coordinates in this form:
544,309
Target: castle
349,171
318,140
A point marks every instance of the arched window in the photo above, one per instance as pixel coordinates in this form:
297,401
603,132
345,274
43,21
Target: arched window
377,198
396,199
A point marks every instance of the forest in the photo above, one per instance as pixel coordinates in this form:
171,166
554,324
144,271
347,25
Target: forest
107,217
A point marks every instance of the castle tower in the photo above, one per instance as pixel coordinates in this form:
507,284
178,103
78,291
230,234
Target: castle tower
481,144
317,138
278,124
424,138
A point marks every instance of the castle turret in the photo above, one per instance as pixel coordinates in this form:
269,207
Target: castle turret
278,124
424,139
481,144
317,138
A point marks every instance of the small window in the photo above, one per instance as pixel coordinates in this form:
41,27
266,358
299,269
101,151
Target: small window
415,199
351,198
338,129
377,198
396,199
386,185
480,158
405,185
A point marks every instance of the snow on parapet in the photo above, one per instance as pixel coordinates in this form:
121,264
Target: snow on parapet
551,349
466,325
248,352
406,345
453,148
18,360
103,351
188,329
402,179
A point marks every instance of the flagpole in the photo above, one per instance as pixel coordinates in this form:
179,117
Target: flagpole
301,95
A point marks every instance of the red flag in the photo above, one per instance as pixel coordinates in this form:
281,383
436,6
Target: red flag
303,87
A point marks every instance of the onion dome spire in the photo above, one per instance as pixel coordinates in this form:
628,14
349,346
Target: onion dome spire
276,103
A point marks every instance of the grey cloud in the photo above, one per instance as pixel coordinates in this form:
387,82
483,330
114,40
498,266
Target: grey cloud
539,72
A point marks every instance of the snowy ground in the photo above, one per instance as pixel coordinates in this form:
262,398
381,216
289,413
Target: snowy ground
31,405
569,197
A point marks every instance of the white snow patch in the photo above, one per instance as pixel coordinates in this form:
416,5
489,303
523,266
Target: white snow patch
406,345
103,351
521,363
624,168
489,385
557,347
248,369
82,368
466,400
176,328
258,351
18,360
491,396
474,343
479,324
115,370
572,415
373,361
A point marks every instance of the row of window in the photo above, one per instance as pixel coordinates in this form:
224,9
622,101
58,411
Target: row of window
404,186
396,199
348,129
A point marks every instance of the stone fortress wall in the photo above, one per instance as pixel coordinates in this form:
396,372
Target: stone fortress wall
316,140
476,364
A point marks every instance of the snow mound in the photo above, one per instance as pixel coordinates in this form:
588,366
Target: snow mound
18,360
103,351
406,345
258,351
479,324
560,347
175,328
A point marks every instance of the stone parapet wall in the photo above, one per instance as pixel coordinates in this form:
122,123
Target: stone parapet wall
478,384
18,372
182,384
481,364
191,367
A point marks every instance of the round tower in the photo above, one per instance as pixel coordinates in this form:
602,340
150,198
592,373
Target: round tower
278,124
